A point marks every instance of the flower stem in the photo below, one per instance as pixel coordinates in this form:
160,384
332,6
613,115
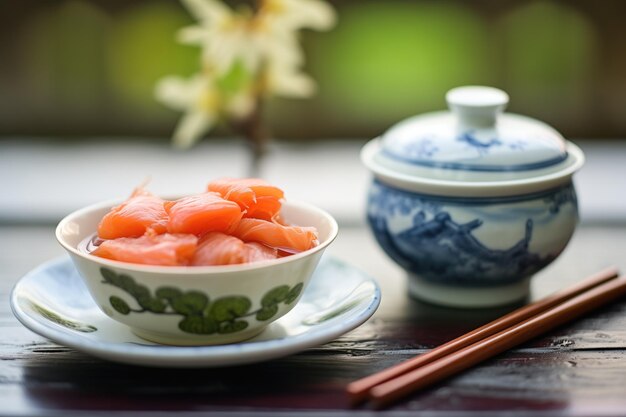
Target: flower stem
256,138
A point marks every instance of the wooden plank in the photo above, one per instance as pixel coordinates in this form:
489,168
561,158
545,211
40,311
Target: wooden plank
578,369
60,379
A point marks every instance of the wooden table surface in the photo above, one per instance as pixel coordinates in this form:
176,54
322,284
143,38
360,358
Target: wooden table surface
578,369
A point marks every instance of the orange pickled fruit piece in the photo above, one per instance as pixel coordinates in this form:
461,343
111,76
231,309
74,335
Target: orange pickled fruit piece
166,249
201,213
257,197
275,235
132,218
220,249
255,252
265,208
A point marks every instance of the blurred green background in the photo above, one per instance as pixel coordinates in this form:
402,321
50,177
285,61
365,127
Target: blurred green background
86,68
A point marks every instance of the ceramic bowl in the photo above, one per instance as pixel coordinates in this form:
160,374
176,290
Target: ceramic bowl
472,202
195,305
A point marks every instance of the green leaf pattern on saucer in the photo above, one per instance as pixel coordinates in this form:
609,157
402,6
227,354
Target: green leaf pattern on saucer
54,317
201,315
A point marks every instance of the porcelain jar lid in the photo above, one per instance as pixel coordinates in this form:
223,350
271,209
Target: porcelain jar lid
474,149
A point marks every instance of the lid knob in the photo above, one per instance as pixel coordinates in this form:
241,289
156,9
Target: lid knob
477,105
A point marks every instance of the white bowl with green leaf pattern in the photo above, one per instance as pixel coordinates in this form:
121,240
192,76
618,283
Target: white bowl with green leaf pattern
195,305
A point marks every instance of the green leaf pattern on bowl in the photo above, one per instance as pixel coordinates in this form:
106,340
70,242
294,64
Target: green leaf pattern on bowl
201,315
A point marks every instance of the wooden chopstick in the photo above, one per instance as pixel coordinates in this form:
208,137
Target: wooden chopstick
391,390
358,390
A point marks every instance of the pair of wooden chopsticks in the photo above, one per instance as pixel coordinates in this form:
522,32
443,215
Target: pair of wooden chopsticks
523,324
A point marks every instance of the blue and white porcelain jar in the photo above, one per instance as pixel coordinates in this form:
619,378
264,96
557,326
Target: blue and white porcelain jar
472,202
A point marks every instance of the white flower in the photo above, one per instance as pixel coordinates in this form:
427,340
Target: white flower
198,98
298,14
262,42
270,35
241,104
223,34
211,11
277,25
288,81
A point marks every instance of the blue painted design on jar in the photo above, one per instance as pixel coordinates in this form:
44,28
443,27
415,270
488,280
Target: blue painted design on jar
481,147
472,242
474,167
563,196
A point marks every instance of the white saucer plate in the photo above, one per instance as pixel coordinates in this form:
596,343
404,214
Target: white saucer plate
53,302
